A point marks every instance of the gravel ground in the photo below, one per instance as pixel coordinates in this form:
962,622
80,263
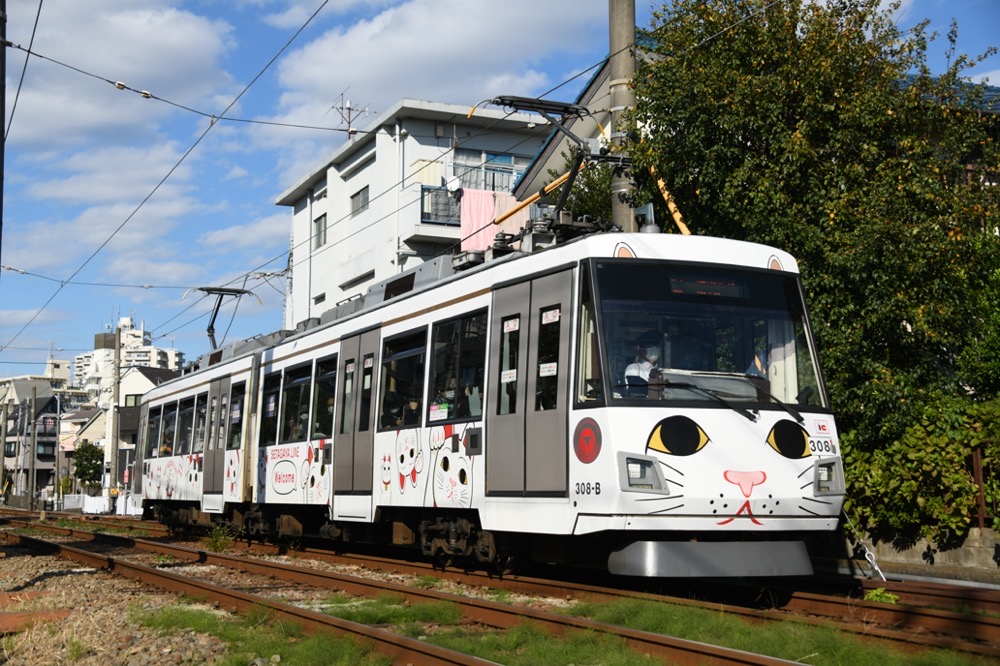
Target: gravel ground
98,632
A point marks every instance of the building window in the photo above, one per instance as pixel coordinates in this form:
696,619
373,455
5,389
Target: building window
133,400
319,299
484,170
319,232
359,201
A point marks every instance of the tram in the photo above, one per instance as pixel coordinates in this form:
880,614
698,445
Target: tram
650,404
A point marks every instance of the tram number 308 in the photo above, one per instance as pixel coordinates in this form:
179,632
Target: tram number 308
588,488
822,446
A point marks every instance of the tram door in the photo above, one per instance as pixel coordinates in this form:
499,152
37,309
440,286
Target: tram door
140,451
215,451
353,441
526,418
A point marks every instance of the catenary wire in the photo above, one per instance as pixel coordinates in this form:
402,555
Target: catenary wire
309,240
168,175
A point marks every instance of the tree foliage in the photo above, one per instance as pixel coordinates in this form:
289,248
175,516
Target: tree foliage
88,463
818,128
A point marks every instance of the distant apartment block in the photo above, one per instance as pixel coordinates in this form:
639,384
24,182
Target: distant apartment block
93,371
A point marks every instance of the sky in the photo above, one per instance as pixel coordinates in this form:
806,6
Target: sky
118,203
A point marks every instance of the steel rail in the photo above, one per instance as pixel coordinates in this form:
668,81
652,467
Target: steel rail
675,650
403,650
949,629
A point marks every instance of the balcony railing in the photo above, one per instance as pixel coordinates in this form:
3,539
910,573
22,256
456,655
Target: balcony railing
438,206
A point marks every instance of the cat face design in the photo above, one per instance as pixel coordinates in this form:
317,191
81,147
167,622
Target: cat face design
408,457
386,471
452,480
733,480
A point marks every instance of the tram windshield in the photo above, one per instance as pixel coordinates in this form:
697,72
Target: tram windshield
687,332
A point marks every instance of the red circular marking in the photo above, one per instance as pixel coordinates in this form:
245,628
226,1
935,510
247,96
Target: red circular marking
587,441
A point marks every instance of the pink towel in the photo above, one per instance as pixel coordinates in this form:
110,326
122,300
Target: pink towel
478,213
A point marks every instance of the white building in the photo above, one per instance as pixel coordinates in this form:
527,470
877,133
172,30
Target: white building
388,199
93,371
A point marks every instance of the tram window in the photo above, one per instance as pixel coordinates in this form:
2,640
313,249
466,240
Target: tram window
347,402
235,432
200,424
402,381
367,373
547,375
185,423
269,417
169,430
588,368
153,432
457,364
510,342
216,427
323,402
295,404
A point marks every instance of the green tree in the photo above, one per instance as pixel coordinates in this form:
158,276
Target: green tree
88,463
818,128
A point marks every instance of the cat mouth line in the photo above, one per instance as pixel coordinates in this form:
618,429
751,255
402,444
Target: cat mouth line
744,510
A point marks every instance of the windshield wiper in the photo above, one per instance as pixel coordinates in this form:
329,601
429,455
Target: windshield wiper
711,395
788,408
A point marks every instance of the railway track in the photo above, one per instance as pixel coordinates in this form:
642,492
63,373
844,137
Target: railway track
118,523
478,611
921,621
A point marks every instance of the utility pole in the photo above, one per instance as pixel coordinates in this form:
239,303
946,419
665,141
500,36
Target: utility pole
3,103
3,443
621,17
56,501
117,375
32,420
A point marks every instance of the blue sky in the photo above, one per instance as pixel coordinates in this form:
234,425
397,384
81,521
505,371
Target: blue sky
99,198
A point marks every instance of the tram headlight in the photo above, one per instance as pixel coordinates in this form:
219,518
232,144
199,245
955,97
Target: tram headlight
829,477
640,474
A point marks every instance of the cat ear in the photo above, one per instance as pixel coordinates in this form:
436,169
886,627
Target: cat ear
623,251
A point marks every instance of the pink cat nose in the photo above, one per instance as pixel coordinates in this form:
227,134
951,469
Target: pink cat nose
745,480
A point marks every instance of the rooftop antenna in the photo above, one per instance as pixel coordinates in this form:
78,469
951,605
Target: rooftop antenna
349,114
220,293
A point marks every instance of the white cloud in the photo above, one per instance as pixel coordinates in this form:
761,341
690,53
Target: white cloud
174,54
273,230
112,174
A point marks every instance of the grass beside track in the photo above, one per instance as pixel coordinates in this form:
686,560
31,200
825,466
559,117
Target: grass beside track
259,634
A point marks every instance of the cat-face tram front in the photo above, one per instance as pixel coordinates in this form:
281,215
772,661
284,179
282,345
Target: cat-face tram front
693,435
700,432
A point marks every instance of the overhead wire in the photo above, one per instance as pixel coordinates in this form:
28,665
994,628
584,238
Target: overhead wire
17,96
215,118
145,94
24,69
307,242
93,284
168,175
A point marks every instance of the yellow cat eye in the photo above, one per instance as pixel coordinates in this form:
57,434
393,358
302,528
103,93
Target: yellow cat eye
677,436
789,439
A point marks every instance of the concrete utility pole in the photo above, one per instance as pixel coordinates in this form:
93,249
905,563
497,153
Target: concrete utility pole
113,482
3,443
621,17
3,102
34,447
